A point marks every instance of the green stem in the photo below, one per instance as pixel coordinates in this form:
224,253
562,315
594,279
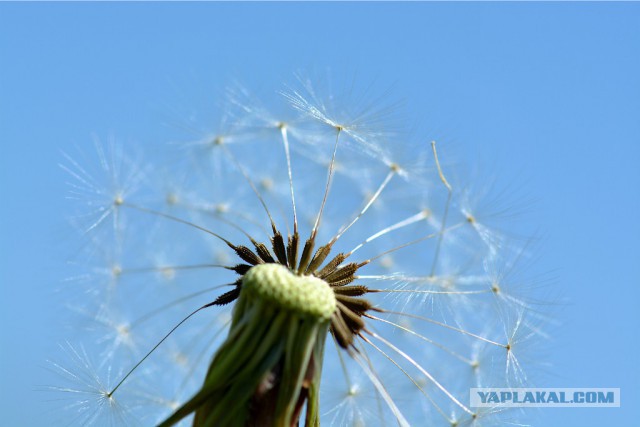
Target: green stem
269,366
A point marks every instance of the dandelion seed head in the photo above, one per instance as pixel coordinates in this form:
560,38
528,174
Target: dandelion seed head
412,276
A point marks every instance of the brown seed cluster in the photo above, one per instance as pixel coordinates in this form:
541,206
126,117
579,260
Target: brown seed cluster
346,321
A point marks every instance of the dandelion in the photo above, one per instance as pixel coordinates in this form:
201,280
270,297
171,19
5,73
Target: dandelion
305,267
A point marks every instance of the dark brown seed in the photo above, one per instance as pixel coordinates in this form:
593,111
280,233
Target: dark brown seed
341,273
336,284
353,321
247,255
331,265
263,251
241,269
277,242
357,305
228,297
352,291
292,250
340,330
319,257
306,255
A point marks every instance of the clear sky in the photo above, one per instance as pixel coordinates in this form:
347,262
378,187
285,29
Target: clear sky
546,95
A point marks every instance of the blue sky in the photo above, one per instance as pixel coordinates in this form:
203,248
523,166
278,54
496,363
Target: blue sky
543,94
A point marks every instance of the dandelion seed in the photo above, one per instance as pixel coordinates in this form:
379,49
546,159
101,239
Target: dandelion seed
301,269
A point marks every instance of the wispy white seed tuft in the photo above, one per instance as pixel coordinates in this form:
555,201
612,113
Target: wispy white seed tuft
312,207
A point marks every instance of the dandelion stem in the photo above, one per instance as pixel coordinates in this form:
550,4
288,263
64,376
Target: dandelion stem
269,366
